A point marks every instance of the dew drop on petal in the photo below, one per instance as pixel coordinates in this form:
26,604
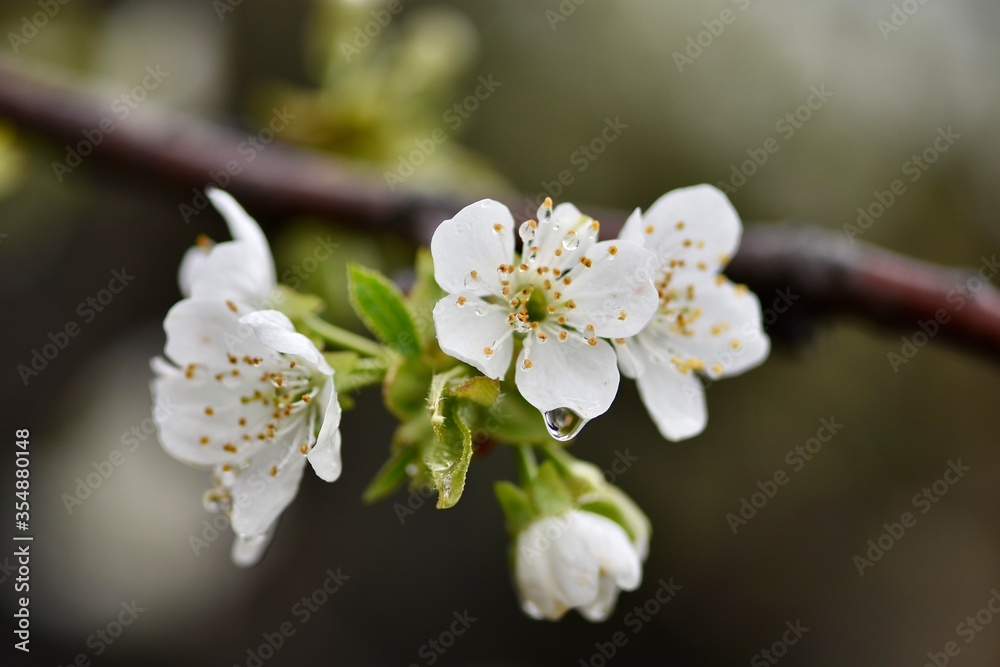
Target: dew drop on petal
526,231
411,469
564,424
571,241
473,281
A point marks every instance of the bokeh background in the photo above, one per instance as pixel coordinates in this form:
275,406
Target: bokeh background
565,70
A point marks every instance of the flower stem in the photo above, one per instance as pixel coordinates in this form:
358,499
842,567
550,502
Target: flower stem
343,338
527,465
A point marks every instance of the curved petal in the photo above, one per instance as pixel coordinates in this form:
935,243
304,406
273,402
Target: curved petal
249,549
208,331
726,337
191,265
479,238
697,225
533,573
568,374
325,454
467,331
674,399
614,291
202,421
244,228
259,497
277,332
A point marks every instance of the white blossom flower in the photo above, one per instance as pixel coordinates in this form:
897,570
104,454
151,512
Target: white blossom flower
560,299
577,560
705,324
255,399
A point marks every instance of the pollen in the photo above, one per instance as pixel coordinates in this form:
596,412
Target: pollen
232,359
189,371
571,304
291,364
586,261
498,228
620,341
592,341
622,315
595,225
274,471
542,336
488,351
232,306
528,364
547,203
558,252
203,440
590,328
304,447
741,290
567,281
720,280
209,411
716,330
702,266
306,398
735,344
203,241
687,243
547,284
562,335
613,250
679,225
523,267
506,291
717,369
229,447
551,308
243,421
650,229
557,295
561,319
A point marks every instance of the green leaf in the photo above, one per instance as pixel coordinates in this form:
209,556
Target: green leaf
516,506
481,390
549,491
448,455
406,386
379,304
391,476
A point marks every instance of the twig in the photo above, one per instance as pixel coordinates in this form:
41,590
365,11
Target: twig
830,275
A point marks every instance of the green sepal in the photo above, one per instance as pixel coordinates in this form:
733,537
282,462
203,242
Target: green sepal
296,305
516,506
380,305
447,456
516,420
391,475
405,388
481,390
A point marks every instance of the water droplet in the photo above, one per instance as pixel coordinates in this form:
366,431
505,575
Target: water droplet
481,310
526,231
563,423
473,281
571,241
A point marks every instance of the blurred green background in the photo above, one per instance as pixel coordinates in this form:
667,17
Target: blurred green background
566,69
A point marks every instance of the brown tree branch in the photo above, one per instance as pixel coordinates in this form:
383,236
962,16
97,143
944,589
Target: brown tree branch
826,273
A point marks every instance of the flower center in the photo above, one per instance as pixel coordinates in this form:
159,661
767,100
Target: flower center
536,306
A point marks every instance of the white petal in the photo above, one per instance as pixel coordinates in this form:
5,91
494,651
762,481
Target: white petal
568,374
479,238
706,219
249,549
465,335
533,572
616,293
675,400
728,336
191,265
198,417
259,497
277,332
604,602
325,454
245,229
206,331
233,270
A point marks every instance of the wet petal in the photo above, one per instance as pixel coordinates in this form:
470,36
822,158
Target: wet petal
478,239
325,454
568,374
674,399
471,337
208,332
613,290
259,497
277,332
